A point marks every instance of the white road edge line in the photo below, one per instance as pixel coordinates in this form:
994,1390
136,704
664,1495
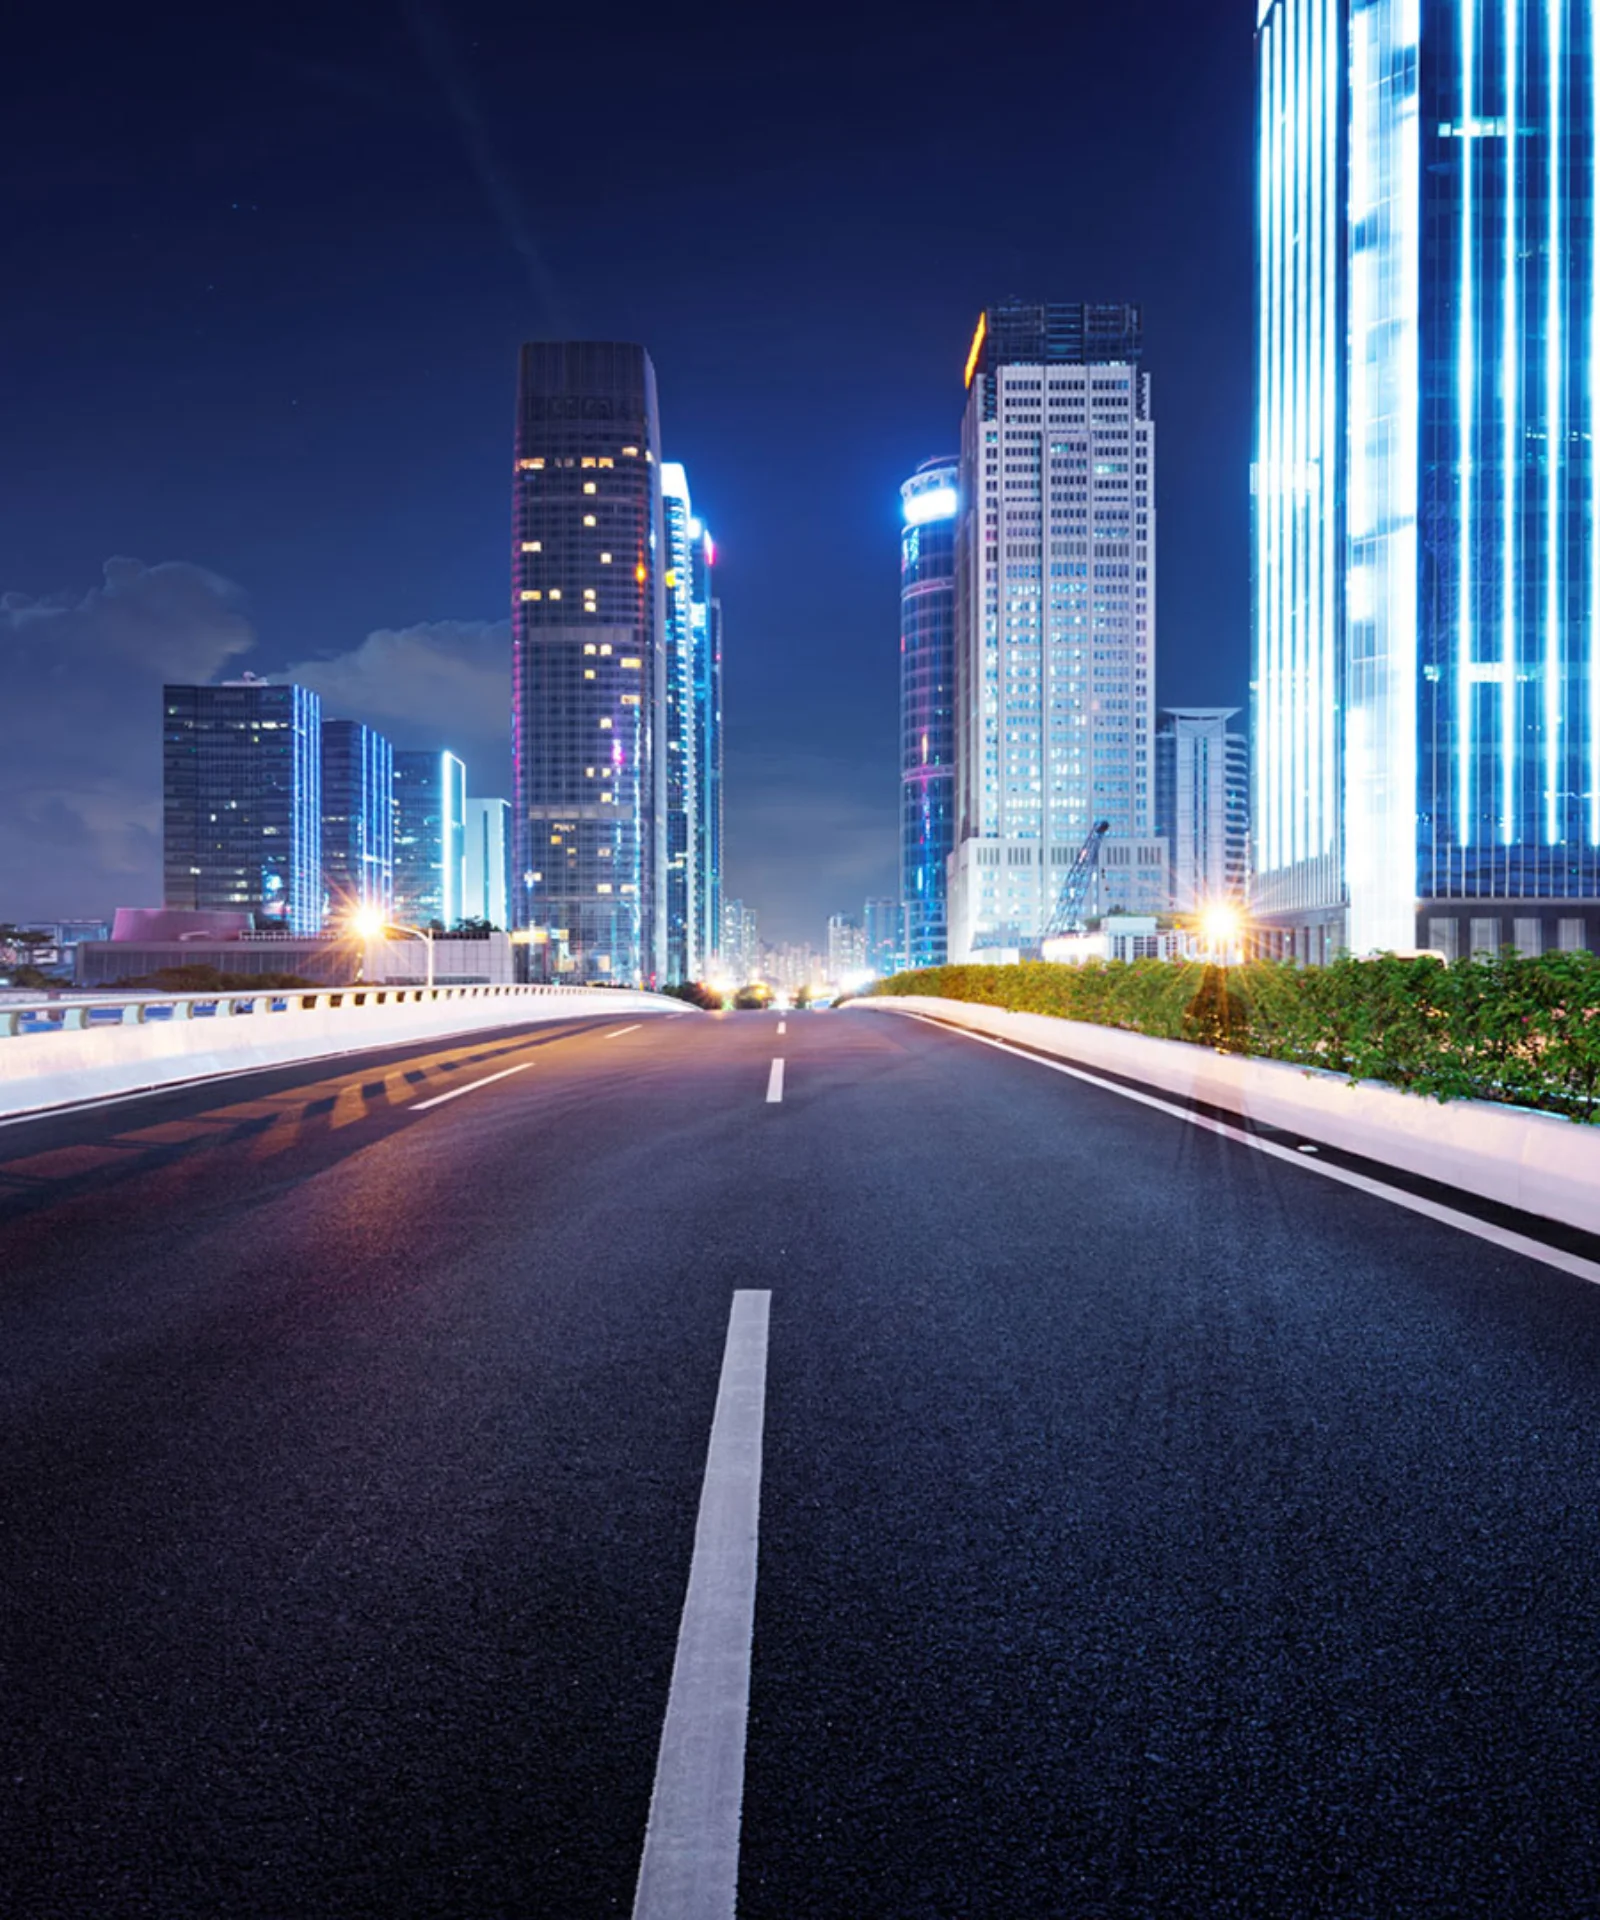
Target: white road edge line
775,1084
455,1093
690,1866
1550,1256
622,1030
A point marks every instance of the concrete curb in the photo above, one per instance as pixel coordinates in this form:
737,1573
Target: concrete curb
1538,1162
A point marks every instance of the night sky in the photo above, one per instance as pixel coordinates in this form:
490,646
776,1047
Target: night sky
266,275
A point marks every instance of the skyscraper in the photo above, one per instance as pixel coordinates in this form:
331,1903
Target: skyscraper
693,734
1203,804
242,801
589,681
705,846
1427,566
884,923
1055,620
357,818
430,849
929,500
488,862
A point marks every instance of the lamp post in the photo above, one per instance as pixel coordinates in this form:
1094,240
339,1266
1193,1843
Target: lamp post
370,924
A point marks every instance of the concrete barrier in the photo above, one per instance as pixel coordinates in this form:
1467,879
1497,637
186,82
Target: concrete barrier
1538,1162
60,1053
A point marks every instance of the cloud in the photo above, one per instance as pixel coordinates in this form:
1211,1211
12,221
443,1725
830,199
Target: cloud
440,683
80,728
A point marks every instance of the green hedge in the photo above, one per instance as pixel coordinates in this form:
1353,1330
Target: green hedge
1523,1031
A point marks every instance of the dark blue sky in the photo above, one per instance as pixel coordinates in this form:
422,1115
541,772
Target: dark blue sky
266,277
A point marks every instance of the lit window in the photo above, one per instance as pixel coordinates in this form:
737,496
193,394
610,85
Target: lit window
588,773
605,647
605,724
630,699
606,460
555,593
533,546
589,648
605,559
603,887
529,466
555,839
588,460
588,673
672,576
588,486
631,452
605,798
530,593
589,520
630,660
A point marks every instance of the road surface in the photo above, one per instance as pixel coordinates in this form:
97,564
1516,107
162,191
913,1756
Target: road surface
1148,1526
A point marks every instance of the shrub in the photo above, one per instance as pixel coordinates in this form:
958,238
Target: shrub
1511,1028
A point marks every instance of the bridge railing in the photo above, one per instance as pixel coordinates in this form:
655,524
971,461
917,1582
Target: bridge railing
137,1010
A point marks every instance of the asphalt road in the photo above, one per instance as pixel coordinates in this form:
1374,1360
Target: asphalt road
1148,1527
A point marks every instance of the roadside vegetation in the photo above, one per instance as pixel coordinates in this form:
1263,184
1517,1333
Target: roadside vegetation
1521,1031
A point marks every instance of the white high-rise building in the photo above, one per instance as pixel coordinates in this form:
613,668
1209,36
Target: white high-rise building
488,862
1203,805
1055,622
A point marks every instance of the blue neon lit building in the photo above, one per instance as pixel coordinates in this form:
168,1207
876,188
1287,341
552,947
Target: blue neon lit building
705,618
430,838
357,818
1427,566
242,801
929,500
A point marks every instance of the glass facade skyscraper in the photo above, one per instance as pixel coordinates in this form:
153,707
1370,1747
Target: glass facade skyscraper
929,500
1203,805
693,735
242,801
589,665
1055,621
357,818
430,844
1426,505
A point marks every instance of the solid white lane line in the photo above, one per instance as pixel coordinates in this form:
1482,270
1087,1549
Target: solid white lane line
690,1866
775,1083
455,1093
1448,1216
622,1030
783,1026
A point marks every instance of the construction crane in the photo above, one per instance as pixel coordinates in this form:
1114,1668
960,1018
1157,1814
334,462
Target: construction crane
1074,895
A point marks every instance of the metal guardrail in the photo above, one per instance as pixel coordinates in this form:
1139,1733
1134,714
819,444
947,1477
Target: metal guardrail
75,1016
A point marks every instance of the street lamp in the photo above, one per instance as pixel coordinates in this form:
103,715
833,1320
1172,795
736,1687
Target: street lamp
369,923
1222,923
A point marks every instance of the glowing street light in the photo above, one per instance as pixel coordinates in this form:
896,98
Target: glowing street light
369,923
1222,924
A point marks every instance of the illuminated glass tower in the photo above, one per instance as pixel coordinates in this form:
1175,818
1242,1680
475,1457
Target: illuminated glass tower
242,801
430,838
357,818
1428,356
1203,805
589,685
1055,621
705,613
929,500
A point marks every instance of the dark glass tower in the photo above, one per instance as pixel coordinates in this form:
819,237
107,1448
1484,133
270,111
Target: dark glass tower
588,664
927,704
357,818
242,801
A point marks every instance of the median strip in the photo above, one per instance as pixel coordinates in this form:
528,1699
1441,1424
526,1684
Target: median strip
472,1086
690,1866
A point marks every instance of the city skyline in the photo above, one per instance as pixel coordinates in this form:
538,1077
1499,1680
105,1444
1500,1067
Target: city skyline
360,548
